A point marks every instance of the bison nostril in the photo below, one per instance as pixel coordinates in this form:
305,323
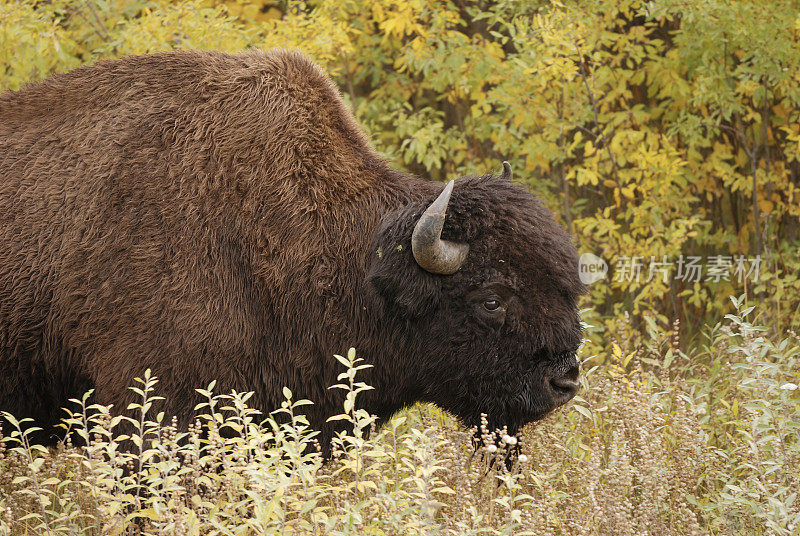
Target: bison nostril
566,384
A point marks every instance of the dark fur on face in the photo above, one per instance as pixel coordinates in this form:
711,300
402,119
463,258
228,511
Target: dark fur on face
524,266
216,216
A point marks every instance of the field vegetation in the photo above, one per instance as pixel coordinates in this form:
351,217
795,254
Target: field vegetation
658,443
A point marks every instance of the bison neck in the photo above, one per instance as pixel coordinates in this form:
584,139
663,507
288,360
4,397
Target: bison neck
310,263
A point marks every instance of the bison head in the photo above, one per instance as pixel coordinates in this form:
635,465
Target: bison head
479,288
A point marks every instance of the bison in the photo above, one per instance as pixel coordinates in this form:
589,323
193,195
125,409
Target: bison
217,216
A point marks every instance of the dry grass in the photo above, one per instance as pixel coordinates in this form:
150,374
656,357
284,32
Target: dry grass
658,443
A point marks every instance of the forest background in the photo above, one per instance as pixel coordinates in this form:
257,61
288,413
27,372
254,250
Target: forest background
655,131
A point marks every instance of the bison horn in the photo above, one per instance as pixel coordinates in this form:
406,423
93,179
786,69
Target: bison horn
431,252
506,171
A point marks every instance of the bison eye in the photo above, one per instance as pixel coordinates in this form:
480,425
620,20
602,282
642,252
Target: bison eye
491,304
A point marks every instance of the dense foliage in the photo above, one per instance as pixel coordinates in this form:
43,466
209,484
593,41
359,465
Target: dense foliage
655,130
658,132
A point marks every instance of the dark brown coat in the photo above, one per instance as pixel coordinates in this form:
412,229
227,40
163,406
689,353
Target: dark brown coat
216,216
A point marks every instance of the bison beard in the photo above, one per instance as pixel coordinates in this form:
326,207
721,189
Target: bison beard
223,217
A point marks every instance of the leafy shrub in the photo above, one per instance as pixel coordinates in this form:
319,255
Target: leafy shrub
649,447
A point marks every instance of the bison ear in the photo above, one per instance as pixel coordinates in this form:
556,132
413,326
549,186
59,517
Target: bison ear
507,175
394,274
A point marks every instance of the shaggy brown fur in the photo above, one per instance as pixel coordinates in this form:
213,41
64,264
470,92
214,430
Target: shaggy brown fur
216,216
